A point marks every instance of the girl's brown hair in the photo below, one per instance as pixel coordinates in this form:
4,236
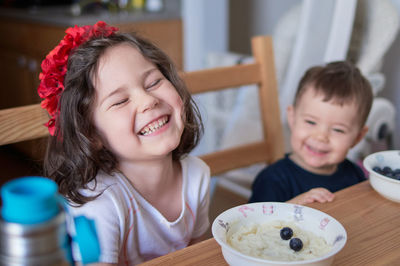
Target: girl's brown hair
75,154
341,82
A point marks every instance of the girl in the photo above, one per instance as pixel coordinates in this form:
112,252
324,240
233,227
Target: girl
122,123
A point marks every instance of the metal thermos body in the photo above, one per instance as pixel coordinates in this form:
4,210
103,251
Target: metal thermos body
41,244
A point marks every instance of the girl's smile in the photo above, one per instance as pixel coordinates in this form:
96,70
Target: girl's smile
155,127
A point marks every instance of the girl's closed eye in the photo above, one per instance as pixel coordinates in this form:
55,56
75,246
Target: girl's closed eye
119,103
154,83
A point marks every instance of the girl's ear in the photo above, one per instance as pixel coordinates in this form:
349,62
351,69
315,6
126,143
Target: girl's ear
360,135
290,115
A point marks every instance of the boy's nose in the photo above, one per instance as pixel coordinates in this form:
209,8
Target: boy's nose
322,135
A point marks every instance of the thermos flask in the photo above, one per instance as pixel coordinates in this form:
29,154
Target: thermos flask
33,226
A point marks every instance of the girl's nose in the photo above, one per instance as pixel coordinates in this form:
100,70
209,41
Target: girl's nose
146,101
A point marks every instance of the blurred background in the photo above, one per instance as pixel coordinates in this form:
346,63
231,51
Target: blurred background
305,33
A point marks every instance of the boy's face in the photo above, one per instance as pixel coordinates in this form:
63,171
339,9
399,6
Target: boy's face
322,132
137,111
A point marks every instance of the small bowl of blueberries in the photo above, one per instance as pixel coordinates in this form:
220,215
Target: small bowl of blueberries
384,173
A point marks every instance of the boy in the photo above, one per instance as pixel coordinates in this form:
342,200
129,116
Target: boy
327,118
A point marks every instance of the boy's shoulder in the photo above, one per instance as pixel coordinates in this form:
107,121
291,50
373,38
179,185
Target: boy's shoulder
281,163
348,166
282,167
346,162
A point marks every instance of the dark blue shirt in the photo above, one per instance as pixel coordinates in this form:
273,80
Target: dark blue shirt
284,180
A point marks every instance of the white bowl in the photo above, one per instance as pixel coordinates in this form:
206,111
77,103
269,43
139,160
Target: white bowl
386,186
306,218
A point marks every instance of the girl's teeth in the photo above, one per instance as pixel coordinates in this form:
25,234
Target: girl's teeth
154,126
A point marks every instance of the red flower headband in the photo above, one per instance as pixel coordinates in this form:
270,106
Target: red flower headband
54,66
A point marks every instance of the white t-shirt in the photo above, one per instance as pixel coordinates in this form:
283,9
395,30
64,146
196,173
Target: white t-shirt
131,230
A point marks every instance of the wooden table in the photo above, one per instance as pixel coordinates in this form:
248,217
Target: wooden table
371,221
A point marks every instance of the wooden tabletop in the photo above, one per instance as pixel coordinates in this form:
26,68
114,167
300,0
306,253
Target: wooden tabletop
371,221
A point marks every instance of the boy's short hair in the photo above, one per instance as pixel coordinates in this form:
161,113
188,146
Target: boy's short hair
341,82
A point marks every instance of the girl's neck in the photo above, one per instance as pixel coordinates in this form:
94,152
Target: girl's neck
159,182
151,176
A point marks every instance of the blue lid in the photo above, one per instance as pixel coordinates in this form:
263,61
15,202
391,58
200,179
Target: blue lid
29,200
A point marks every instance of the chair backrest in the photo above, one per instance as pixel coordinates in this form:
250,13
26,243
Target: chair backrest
26,122
262,73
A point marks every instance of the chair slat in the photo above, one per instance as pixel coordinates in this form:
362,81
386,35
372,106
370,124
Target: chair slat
222,78
236,157
263,73
22,123
269,97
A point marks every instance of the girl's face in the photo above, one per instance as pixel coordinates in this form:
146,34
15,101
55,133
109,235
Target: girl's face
322,132
137,111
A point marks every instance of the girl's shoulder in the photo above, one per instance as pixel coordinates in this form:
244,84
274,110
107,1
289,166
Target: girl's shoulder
196,178
103,183
111,192
194,160
194,164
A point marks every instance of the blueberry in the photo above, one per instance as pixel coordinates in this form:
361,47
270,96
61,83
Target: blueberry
286,233
386,170
377,169
296,244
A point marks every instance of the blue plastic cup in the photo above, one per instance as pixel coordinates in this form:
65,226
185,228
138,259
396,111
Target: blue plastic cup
30,200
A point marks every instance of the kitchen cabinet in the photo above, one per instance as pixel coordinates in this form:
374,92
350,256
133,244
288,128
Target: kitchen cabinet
23,47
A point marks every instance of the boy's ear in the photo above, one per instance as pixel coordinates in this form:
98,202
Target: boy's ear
290,115
360,136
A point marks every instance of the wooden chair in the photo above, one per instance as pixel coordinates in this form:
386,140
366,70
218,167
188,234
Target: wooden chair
262,73
26,122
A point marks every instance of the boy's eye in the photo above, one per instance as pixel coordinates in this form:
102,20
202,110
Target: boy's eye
310,122
338,130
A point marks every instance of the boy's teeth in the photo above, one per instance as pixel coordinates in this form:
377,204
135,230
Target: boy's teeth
154,126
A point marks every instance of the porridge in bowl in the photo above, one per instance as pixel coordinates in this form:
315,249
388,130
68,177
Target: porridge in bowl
277,233
279,241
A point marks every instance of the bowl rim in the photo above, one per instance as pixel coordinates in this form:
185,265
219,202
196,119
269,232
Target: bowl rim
376,174
238,253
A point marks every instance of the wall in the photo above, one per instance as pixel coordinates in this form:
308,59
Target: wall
391,68
205,30
253,17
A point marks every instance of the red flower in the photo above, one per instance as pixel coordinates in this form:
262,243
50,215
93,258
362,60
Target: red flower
51,125
51,104
101,28
54,66
51,84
